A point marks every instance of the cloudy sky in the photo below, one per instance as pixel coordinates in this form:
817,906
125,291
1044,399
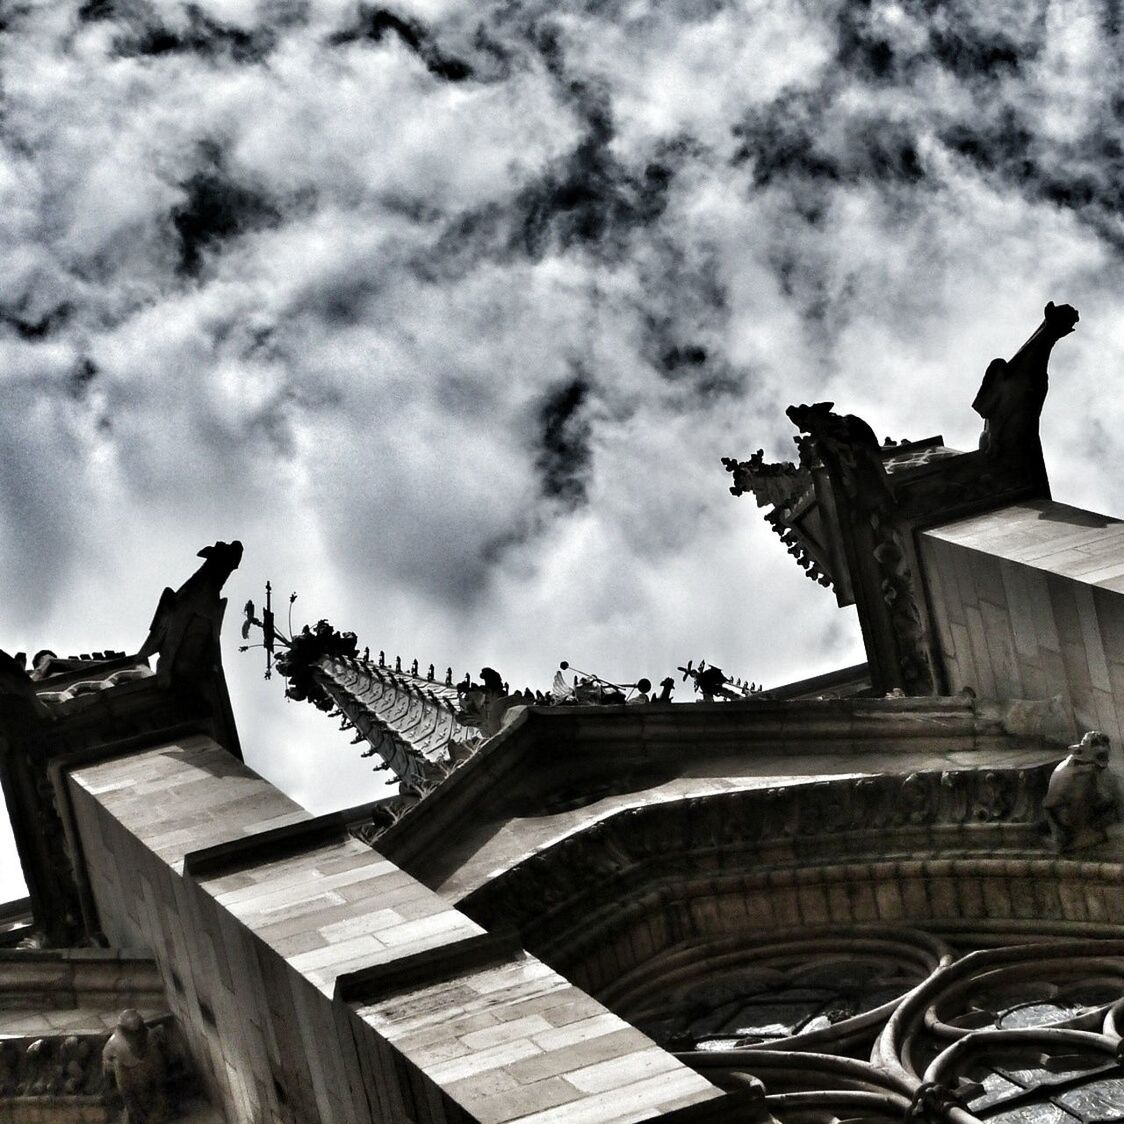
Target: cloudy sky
449,309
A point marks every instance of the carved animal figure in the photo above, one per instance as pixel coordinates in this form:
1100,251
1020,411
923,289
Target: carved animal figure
1012,393
1082,798
849,450
486,705
134,1058
185,627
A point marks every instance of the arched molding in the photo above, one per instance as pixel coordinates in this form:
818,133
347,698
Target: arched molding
656,910
962,853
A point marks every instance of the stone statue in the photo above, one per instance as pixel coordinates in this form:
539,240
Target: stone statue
850,451
185,627
134,1058
487,704
1082,799
1011,396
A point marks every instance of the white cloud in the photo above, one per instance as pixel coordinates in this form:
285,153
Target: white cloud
328,297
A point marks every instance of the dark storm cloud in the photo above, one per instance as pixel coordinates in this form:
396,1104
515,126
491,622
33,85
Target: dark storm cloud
590,199
951,38
794,137
685,316
454,316
564,460
974,57
144,34
33,326
375,24
215,209
82,374
1084,175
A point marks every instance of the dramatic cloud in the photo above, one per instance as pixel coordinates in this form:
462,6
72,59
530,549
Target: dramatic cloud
448,308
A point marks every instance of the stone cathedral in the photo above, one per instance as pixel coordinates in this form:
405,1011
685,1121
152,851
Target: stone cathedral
891,893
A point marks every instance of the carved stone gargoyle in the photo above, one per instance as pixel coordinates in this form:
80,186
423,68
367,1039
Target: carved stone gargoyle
185,628
850,451
1082,799
135,1058
1013,391
485,705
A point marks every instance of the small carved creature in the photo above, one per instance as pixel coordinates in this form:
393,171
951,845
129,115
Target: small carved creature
485,705
134,1058
1082,799
849,450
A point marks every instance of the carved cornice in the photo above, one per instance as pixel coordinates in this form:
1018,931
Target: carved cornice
554,895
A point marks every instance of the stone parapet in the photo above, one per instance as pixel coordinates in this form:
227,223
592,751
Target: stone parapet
261,947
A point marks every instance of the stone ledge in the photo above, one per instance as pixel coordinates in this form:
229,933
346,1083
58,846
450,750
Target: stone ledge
431,966
265,846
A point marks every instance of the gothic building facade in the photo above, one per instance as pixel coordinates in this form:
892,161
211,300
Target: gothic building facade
891,893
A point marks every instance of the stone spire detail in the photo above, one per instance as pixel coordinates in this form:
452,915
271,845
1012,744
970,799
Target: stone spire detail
408,720
412,722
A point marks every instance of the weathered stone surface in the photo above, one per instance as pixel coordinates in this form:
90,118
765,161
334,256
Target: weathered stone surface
252,956
1028,603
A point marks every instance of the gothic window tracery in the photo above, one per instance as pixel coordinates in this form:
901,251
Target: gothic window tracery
868,1026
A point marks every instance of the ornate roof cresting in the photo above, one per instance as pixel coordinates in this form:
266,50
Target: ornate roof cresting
420,728
788,490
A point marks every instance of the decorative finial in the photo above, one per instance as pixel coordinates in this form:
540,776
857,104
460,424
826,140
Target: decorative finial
268,626
712,681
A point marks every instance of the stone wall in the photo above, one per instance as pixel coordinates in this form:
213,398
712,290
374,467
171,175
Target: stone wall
1028,602
317,982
